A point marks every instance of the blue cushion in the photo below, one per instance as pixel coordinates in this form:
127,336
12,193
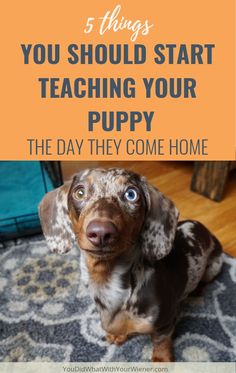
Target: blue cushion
21,189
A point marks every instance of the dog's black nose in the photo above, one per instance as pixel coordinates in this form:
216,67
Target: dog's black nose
101,233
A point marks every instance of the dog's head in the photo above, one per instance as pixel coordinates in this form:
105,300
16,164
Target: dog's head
108,211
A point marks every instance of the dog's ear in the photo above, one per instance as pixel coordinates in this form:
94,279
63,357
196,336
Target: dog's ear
160,224
55,221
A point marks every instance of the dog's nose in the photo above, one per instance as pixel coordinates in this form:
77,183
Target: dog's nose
101,233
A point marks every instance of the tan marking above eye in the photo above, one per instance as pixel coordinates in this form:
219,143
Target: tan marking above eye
90,179
121,180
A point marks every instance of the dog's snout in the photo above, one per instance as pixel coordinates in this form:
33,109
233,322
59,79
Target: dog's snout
101,233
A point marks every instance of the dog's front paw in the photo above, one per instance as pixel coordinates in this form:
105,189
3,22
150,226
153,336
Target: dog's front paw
116,339
162,351
162,358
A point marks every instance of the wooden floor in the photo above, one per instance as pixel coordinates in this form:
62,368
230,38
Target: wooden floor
173,179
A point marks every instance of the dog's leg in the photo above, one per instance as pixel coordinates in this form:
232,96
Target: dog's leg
162,349
215,262
123,325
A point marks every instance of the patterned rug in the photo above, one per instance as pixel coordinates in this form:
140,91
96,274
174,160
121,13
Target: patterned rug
46,313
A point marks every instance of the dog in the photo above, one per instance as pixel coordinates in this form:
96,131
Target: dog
137,259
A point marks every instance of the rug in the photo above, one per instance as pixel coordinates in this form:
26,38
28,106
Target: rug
46,313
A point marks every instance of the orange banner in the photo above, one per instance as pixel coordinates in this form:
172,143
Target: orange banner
117,80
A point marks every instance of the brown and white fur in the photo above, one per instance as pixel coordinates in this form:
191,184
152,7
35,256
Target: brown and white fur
137,260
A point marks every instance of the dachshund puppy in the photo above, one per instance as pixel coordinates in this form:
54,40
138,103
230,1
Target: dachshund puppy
138,261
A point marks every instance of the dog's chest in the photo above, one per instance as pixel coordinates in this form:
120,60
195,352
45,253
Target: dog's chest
118,309
113,294
117,300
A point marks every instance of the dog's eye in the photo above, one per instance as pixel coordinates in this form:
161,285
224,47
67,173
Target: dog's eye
131,195
79,193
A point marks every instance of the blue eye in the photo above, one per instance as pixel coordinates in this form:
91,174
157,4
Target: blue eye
131,195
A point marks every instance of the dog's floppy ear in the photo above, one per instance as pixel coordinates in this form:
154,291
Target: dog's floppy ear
160,224
55,221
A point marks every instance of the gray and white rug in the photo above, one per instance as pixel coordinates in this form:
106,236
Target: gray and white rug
46,314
